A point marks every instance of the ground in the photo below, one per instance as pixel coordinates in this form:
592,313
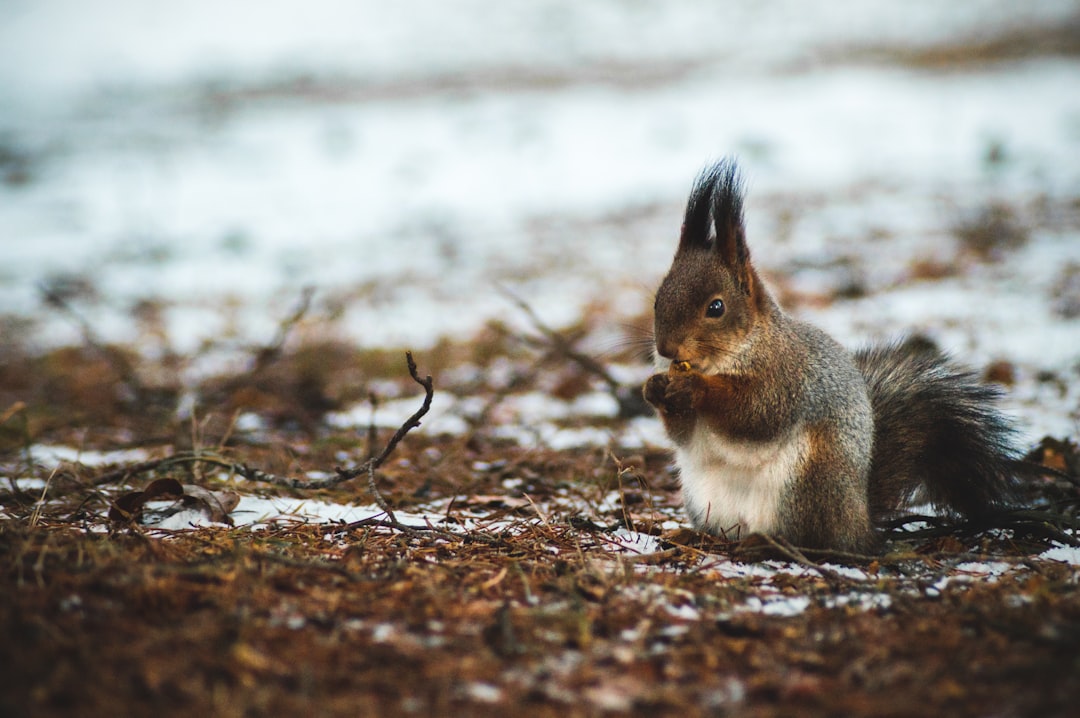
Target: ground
224,230
550,580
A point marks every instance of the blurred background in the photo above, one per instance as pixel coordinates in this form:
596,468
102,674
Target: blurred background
179,172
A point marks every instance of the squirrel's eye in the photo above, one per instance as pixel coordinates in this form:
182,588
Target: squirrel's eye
715,309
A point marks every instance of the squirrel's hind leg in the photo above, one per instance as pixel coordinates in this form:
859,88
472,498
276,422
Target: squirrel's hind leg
828,507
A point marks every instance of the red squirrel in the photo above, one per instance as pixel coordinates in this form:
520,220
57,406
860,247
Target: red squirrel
779,430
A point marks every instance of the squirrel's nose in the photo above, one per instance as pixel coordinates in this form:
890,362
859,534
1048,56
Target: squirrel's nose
667,348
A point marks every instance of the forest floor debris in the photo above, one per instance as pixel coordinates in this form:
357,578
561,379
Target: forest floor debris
149,565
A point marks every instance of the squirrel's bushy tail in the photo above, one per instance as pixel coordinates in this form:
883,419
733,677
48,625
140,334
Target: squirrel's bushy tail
938,437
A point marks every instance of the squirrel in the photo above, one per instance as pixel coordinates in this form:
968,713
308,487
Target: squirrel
779,430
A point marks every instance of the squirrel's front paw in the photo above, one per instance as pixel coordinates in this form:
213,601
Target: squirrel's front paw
655,389
682,392
673,393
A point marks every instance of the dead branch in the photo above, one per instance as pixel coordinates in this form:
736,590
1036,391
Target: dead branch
411,423
262,357
630,401
369,467
1022,521
16,408
132,470
269,353
252,473
795,555
113,356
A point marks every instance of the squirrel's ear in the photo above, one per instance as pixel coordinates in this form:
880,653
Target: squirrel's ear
727,214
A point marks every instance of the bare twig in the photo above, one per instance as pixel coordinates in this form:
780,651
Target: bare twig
795,555
116,359
562,345
413,421
262,357
196,457
131,470
630,401
372,431
269,353
19,409
16,408
1043,522
374,463
369,467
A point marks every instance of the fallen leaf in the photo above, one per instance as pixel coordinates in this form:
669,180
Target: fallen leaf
129,506
217,505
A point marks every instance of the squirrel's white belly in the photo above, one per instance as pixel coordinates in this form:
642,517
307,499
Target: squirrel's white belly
735,488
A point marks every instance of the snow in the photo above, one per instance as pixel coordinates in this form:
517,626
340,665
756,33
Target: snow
51,455
257,512
634,542
483,692
685,612
971,571
1064,554
283,193
779,606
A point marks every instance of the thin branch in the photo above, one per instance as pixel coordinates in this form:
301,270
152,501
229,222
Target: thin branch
562,345
630,401
262,357
413,421
1019,520
372,431
426,530
368,467
795,555
132,470
269,353
342,475
116,359
252,473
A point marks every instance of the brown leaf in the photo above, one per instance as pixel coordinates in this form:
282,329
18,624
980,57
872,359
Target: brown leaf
129,506
217,505
943,544
496,501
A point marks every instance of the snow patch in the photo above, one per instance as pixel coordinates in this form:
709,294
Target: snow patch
1064,554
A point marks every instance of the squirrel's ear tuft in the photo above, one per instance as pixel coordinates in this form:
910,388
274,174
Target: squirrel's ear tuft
727,201
716,204
697,223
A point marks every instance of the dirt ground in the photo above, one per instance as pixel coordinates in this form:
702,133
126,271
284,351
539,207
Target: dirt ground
518,599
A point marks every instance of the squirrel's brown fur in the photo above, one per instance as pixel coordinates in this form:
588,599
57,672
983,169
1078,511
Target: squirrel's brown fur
777,429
